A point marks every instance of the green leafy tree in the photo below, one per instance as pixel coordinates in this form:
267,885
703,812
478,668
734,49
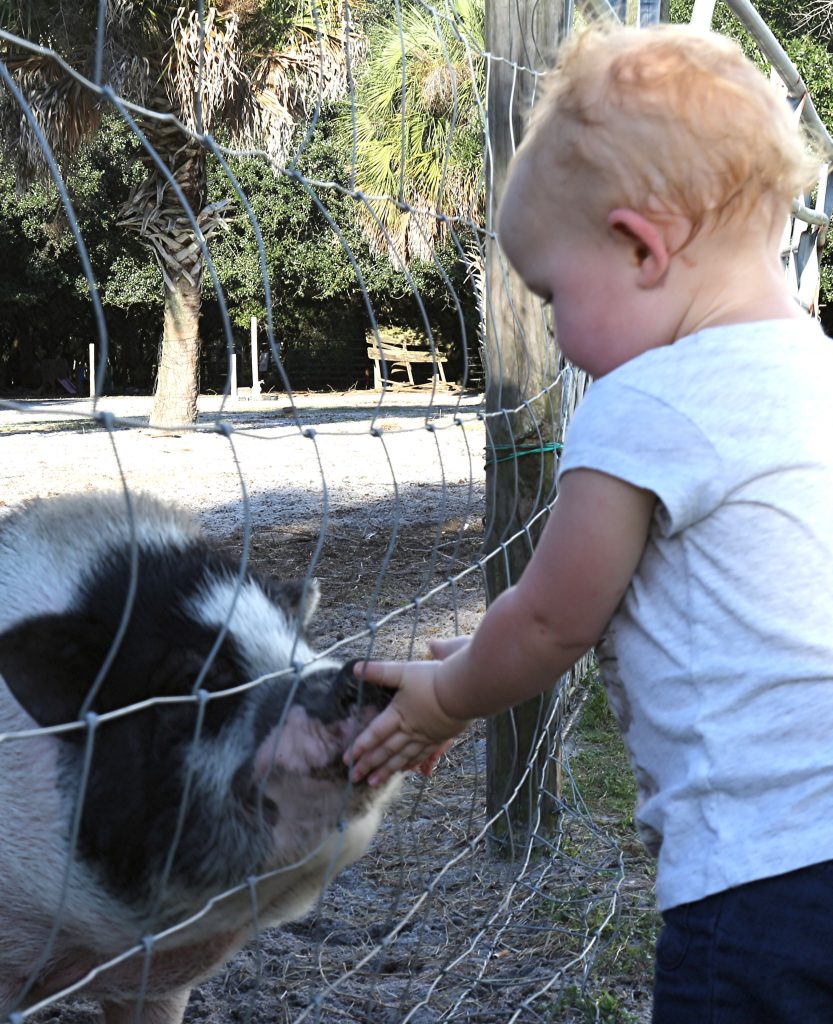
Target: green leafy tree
322,280
248,70
45,308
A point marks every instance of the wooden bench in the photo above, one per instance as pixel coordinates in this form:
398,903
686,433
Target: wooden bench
392,356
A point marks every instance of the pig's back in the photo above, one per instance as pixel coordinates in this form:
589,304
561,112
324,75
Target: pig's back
48,548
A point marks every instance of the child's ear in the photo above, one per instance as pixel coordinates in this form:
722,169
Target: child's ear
649,242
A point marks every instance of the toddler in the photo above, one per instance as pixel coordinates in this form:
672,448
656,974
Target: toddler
692,538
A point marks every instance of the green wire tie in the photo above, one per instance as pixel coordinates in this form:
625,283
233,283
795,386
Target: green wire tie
517,450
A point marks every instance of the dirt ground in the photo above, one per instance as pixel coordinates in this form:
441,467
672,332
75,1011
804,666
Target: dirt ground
383,505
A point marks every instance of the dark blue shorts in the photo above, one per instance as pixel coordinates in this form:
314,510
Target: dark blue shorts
758,954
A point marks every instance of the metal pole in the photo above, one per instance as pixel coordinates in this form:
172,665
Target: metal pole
92,370
774,53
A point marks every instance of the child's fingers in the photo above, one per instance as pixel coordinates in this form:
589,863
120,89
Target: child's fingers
373,736
389,753
386,673
412,751
427,765
423,765
379,763
443,648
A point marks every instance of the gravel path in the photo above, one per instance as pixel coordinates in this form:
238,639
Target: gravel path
338,456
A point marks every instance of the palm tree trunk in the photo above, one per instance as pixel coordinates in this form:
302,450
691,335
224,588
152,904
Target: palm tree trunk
177,380
155,211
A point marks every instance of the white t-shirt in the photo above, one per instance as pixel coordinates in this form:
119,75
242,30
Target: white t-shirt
719,660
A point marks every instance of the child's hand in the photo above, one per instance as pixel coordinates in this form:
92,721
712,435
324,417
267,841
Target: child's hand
439,649
427,766
442,649
411,732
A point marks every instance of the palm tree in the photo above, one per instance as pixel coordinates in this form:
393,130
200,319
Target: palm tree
239,70
416,128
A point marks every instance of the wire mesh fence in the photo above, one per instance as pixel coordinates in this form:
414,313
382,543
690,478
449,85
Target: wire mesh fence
173,722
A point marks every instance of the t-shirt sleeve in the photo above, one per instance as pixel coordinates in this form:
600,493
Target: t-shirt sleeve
636,437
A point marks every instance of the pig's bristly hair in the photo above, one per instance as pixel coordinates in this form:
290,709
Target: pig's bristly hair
151,788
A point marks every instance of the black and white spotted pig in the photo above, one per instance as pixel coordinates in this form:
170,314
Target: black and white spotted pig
183,800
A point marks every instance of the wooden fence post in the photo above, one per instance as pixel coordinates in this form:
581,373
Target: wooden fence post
523,424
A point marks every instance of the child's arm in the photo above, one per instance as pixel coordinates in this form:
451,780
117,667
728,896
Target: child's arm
529,636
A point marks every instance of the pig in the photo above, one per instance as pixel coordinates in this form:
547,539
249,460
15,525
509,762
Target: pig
162,837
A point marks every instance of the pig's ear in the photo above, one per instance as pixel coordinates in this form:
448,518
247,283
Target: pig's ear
49,663
298,597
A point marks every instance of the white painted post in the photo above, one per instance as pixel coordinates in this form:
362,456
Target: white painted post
255,377
92,369
233,383
701,15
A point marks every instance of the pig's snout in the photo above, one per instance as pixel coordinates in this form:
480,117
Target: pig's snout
336,696
350,691
328,714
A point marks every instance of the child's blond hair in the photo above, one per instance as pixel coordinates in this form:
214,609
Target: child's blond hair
667,119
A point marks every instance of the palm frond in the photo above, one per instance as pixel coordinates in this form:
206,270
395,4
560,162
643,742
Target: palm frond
309,70
64,109
66,112
416,99
204,68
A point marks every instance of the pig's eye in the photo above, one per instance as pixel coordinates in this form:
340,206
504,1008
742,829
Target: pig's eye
266,809
270,806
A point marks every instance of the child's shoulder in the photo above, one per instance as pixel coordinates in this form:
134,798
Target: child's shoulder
751,348
734,379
